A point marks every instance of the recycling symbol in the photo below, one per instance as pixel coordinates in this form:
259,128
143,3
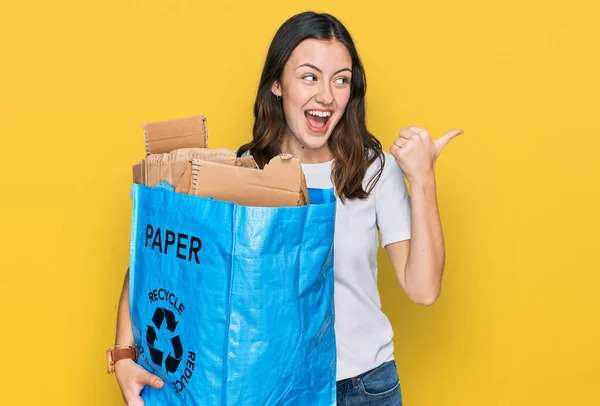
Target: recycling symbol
173,358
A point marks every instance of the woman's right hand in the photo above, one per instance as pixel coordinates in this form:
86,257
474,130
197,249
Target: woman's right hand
132,378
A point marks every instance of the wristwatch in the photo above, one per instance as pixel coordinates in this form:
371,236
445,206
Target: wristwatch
118,353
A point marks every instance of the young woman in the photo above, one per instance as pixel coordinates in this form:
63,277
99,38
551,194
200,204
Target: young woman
310,103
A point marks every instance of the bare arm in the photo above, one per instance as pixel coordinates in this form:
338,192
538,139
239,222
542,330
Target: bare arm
131,376
419,263
124,334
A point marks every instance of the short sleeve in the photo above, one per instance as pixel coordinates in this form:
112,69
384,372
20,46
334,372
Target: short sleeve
392,203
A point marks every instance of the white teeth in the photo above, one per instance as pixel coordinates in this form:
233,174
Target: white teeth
320,113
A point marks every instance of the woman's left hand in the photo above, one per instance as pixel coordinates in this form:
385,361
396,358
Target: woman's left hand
416,152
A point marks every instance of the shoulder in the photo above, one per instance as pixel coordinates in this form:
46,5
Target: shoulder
390,177
384,171
386,163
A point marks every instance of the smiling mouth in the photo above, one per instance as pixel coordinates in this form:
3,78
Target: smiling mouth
317,121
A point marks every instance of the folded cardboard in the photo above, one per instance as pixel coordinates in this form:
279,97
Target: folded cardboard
166,136
175,167
177,152
280,183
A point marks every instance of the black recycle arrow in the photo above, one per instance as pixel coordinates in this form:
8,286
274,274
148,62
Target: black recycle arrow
155,353
172,363
160,314
151,335
171,322
173,360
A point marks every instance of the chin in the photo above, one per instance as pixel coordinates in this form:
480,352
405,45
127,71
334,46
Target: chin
315,142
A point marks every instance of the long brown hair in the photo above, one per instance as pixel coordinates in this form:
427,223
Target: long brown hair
353,147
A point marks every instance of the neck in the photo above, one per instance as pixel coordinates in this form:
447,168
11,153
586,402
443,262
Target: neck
291,145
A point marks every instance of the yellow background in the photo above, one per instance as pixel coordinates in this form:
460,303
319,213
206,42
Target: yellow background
517,322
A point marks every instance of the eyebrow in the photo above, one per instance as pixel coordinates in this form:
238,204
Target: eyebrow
319,70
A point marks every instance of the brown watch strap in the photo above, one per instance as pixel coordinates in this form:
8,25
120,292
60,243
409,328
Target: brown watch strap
117,354
123,353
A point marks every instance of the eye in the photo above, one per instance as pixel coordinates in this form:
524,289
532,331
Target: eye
342,80
310,77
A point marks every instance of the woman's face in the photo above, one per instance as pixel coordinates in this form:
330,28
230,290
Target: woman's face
315,89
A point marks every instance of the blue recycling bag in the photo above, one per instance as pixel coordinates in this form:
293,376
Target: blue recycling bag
233,305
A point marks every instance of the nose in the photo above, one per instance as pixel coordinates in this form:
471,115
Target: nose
324,94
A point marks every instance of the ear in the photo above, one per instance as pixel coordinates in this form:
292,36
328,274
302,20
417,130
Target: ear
276,88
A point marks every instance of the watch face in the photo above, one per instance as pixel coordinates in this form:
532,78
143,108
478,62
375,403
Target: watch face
115,355
111,364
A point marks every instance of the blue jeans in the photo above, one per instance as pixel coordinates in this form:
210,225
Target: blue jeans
378,387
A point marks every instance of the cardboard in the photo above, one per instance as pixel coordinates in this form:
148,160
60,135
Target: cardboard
177,152
176,167
184,185
280,183
166,136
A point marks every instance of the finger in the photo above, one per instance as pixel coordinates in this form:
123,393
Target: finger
446,138
152,380
406,133
400,142
395,150
423,133
417,130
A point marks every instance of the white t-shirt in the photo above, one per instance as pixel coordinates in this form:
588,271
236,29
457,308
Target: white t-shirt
363,332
